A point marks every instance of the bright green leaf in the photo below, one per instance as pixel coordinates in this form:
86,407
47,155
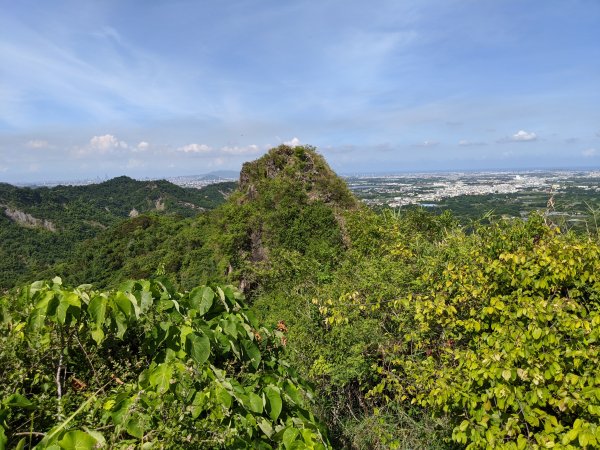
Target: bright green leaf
197,346
160,377
252,352
201,299
289,436
19,401
77,440
275,403
134,427
256,403
97,310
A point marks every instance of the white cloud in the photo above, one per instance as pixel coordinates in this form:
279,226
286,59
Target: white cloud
294,142
524,136
106,143
143,145
37,143
590,153
241,150
195,148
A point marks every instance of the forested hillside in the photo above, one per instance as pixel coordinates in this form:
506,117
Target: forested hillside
39,227
413,331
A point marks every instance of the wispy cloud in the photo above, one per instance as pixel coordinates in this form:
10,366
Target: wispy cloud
37,144
141,147
524,136
519,136
195,148
589,153
467,143
111,79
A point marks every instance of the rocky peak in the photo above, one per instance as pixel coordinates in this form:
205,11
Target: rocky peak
300,168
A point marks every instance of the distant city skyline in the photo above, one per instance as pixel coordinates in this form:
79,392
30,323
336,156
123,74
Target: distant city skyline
162,89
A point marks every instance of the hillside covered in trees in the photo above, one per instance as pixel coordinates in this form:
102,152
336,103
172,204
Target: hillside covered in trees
41,226
293,316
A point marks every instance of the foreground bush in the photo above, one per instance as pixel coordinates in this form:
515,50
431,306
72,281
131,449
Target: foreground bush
145,366
499,333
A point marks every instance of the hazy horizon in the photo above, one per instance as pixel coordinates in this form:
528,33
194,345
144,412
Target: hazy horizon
155,89
233,174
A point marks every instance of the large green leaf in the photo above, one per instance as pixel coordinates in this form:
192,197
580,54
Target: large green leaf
97,335
292,391
124,304
275,403
135,427
221,296
77,440
198,347
160,377
146,301
256,402
265,426
224,398
201,299
252,352
289,436
229,326
120,322
17,400
97,310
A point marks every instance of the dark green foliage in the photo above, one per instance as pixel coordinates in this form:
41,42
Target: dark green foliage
278,208
54,220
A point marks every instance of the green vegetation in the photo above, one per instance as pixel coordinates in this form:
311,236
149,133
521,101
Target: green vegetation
41,227
413,330
146,366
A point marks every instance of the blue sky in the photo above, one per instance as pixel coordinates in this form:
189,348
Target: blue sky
162,88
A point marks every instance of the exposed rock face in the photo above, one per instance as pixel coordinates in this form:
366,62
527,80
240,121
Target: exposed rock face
191,206
27,220
133,213
159,204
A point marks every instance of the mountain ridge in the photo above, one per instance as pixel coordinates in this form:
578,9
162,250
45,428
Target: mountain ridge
39,227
